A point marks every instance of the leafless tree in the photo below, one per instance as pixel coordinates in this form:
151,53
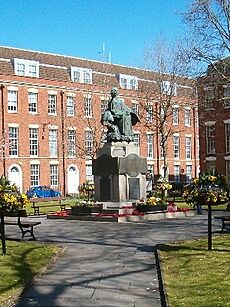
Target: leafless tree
170,66
209,24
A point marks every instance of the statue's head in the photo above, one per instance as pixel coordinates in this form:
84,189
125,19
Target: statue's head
114,92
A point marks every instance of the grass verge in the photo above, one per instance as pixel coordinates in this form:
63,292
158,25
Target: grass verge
21,263
194,276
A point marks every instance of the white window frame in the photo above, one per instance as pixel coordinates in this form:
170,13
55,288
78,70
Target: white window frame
149,113
13,141
53,142
168,88
33,102
52,104
33,133
26,68
188,147
89,135
188,173
54,175
89,172
177,173
128,82
81,75
34,174
12,101
70,106
88,107
150,144
187,117
175,116
71,143
176,147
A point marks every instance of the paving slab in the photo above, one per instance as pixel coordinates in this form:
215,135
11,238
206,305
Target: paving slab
106,264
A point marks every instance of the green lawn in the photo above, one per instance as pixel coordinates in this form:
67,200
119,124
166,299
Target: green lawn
21,263
194,276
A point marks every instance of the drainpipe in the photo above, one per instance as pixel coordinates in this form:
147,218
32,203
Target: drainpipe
157,143
195,139
3,133
63,143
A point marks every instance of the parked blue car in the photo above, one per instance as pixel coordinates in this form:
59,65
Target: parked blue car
42,191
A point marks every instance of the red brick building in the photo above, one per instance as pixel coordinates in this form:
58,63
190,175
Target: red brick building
214,119
51,107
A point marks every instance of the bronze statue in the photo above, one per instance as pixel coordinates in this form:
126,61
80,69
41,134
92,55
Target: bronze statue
119,119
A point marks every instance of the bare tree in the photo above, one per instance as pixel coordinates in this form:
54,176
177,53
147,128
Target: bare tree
169,65
209,24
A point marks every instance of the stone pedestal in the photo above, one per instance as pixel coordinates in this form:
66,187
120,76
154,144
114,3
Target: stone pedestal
119,173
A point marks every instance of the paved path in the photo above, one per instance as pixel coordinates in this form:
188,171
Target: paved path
105,264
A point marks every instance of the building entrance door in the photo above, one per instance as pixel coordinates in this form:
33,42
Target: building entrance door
15,177
73,180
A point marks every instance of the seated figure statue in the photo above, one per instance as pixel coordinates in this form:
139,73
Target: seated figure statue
119,119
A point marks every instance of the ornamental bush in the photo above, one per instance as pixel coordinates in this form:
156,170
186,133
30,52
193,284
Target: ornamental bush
208,189
11,199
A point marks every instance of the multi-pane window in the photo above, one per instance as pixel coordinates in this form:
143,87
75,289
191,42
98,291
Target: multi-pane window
209,97
88,142
34,175
188,173
137,139
175,116
52,104
149,113
168,88
187,117
81,75
26,68
54,175
88,107
150,146
71,145
177,173
210,139
70,106
33,102
20,69
226,96
135,107
33,141
12,101
13,141
188,147
176,146
128,82
53,142
227,138
104,105
89,172
76,76
32,70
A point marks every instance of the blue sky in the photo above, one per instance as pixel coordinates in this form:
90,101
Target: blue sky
80,27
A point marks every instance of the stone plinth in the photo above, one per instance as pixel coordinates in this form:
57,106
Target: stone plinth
119,173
